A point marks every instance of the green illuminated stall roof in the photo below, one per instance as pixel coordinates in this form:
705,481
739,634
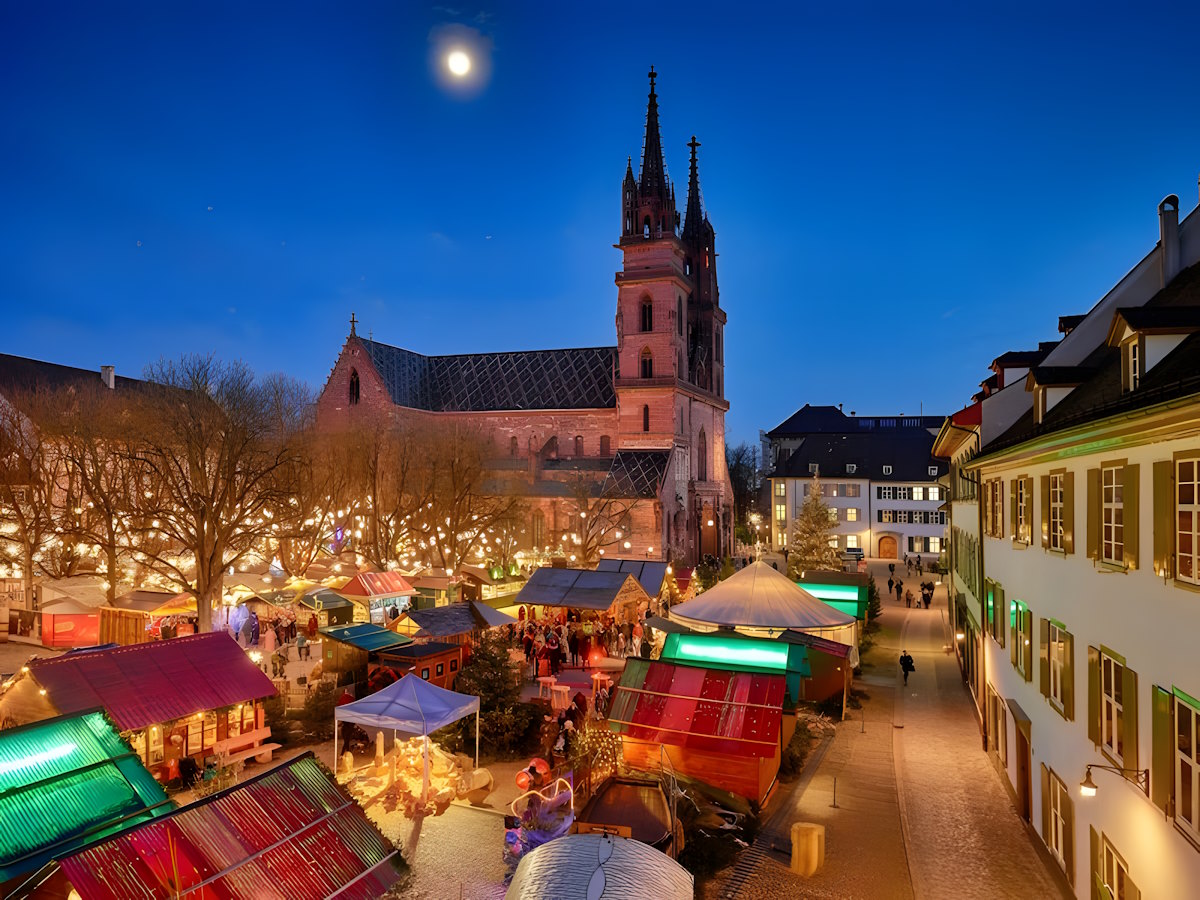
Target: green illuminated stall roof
847,598
722,651
68,781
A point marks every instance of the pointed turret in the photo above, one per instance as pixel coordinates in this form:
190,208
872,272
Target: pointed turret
653,177
694,218
648,208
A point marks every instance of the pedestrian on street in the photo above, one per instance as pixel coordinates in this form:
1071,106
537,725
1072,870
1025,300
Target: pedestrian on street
899,588
907,666
892,568
908,599
891,585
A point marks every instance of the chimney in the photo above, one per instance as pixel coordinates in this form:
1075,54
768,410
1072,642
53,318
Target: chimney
108,374
1168,238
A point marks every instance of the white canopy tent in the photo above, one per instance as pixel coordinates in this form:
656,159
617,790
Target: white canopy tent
592,866
411,705
761,602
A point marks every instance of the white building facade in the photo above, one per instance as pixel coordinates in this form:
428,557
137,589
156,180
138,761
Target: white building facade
1089,500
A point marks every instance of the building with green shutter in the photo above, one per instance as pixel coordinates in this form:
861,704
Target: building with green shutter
1087,604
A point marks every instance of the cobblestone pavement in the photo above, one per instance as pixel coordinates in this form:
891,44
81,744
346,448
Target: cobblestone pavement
965,839
458,856
920,810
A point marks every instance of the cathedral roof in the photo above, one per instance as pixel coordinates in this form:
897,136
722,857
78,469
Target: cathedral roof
487,382
636,473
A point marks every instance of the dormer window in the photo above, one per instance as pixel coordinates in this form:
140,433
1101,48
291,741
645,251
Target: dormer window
887,470
851,468
813,468
1132,361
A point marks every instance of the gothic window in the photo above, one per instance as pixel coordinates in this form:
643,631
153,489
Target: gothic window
647,364
354,387
579,445
687,267
646,228
539,528
647,315
605,445
645,418
512,446
679,314
702,458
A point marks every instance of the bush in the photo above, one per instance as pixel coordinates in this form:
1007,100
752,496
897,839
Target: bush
791,762
511,732
874,606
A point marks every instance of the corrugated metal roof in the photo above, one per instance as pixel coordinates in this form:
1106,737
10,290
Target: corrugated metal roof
376,586
65,782
323,598
290,834
146,684
366,636
712,710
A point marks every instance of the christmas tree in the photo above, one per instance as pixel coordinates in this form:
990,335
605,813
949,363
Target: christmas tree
813,545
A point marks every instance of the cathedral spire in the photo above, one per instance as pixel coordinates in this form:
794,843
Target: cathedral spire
653,179
695,209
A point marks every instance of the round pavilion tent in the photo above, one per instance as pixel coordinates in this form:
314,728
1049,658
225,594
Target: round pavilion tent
761,602
599,867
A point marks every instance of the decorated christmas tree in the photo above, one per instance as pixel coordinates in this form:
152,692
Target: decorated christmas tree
810,547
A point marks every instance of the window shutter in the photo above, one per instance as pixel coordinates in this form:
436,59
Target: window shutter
1014,637
1029,508
1097,877
1162,763
1093,723
1129,720
1045,498
1068,815
1012,506
1027,644
1068,677
1069,512
1045,804
1044,656
1164,518
1093,513
1003,614
1129,513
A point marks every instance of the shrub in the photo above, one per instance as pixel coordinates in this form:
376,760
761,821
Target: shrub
511,732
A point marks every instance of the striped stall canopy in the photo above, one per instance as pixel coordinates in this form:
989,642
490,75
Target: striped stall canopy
289,834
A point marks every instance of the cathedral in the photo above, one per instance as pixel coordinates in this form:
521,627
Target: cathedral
644,420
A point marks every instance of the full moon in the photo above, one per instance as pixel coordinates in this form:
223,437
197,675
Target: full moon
458,63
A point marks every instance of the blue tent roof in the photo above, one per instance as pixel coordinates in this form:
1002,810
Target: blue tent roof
366,636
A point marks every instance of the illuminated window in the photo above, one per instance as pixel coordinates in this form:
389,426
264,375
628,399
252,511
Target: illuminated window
1187,766
780,489
1056,512
852,542
1021,527
851,514
1112,707
1059,837
781,512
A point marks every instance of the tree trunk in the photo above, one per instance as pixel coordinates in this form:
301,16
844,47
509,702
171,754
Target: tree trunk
114,572
206,601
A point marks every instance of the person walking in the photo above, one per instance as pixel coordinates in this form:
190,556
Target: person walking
891,584
573,646
907,666
899,589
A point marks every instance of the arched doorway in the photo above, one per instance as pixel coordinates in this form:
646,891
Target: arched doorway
887,548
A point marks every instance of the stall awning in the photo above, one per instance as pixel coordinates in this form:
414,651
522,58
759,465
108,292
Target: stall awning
651,574
147,684
143,600
579,589
712,710
366,636
367,586
450,620
411,705
290,832
758,597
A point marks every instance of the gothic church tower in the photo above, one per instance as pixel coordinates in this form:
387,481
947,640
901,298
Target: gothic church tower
670,334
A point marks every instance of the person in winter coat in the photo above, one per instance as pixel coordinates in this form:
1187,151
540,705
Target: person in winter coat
907,666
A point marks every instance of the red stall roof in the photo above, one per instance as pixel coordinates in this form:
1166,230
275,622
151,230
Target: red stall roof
376,585
738,713
145,684
289,833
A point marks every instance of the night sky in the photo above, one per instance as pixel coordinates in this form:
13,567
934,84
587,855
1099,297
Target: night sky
898,196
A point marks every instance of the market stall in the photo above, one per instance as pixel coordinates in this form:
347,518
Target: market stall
346,648
453,621
615,594
382,596
761,602
173,700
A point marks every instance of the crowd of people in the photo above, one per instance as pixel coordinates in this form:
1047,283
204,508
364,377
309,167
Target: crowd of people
276,637
575,640
896,585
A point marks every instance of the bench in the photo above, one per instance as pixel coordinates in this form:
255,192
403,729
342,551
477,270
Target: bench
228,752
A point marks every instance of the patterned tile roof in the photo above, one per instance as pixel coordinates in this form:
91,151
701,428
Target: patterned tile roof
636,473
483,382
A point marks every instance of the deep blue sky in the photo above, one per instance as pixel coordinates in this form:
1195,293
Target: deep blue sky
899,195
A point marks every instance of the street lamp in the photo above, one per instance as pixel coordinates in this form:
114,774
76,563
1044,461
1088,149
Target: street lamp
1087,787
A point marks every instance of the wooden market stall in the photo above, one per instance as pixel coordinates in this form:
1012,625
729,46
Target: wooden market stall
433,661
616,594
722,727
382,595
179,699
348,648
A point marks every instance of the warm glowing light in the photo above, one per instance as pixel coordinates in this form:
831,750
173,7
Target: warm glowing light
1087,787
458,63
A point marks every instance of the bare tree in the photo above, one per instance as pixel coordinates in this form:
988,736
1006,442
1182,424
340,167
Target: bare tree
27,486
600,522
211,440
394,481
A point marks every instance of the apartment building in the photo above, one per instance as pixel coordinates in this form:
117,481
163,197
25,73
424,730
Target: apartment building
1087,482
878,476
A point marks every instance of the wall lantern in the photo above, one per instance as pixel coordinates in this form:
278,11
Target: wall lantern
1087,787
